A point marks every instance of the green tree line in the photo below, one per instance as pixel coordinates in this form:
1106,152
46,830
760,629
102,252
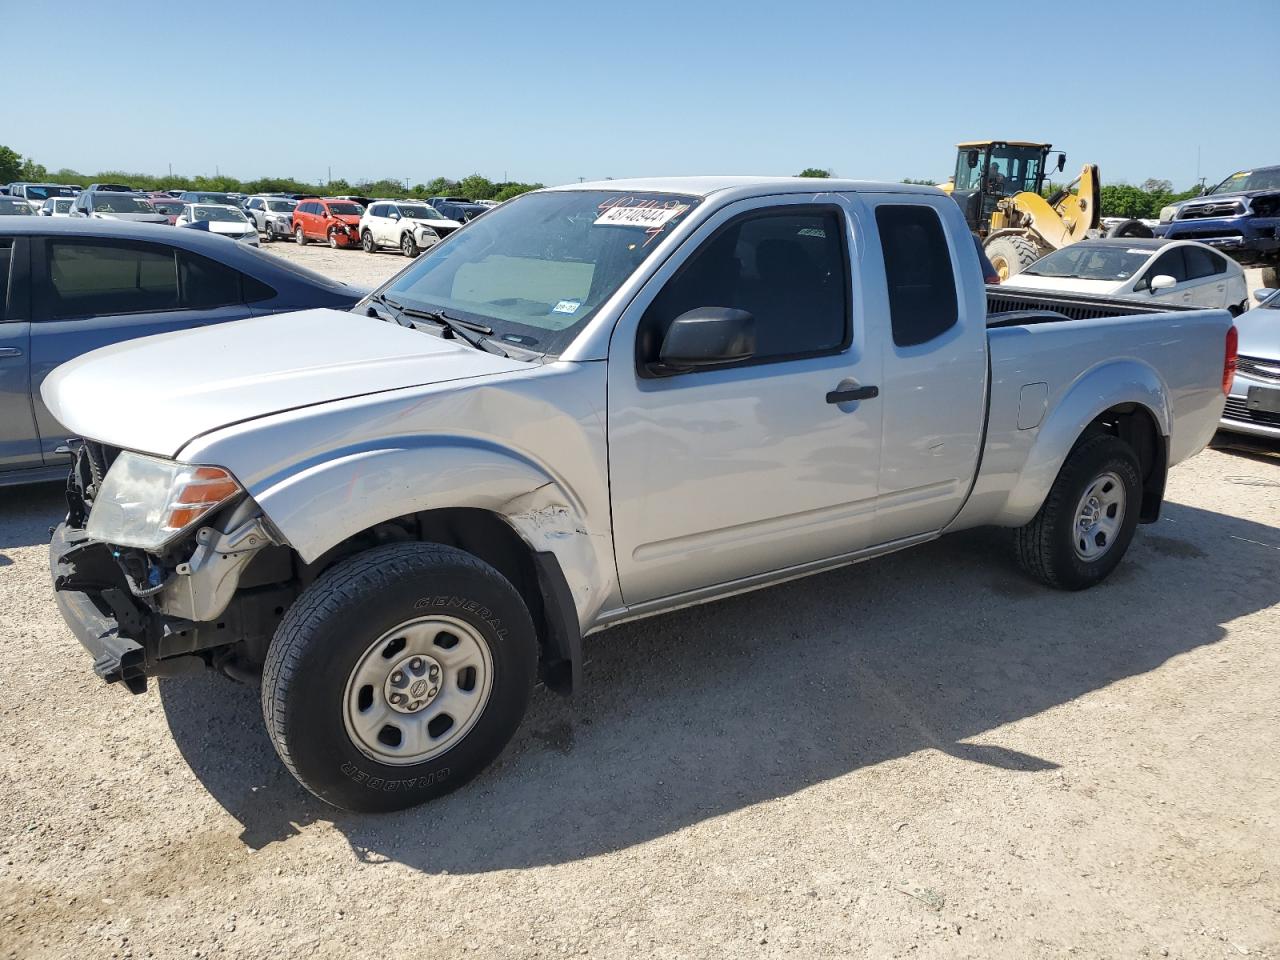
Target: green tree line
14,166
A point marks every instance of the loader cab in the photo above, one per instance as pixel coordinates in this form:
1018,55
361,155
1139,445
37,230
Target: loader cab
988,171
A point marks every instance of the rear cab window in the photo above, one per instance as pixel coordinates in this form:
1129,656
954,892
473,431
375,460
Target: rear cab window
919,273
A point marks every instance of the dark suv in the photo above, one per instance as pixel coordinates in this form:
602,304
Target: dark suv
1240,216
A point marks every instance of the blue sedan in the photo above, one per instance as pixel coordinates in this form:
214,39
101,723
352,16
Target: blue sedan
71,286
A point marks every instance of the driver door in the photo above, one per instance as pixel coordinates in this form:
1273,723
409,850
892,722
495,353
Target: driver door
721,474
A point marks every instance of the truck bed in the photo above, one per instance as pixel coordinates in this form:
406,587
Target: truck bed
1009,306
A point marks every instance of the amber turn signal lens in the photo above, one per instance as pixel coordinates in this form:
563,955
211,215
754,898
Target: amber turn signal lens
199,491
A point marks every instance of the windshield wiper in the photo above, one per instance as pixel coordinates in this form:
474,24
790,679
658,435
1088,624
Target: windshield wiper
392,308
463,330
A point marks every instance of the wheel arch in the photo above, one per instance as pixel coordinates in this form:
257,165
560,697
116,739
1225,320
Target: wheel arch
508,511
1126,398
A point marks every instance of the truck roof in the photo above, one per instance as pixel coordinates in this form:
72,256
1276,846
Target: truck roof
706,186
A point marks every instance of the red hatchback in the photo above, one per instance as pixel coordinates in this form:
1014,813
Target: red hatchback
334,221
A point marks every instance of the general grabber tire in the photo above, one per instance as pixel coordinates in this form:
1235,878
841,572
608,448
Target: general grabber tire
1087,521
375,653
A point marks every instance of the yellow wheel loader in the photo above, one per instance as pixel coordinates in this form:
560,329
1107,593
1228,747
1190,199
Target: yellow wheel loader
999,184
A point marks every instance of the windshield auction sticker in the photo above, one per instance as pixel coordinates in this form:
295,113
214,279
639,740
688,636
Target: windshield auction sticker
648,215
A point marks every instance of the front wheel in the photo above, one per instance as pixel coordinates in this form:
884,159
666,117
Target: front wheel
398,676
1088,519
409,246
333,239
366,241
300,237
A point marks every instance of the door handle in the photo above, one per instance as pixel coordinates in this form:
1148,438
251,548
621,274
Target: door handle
855,393
10,352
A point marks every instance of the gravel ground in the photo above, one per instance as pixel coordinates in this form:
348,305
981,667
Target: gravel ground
927,755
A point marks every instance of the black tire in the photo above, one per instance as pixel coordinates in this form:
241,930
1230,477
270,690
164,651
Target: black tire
299,236
1130,228
1046,547
333,239
409,246
1011,255
328,630
366,241
267,235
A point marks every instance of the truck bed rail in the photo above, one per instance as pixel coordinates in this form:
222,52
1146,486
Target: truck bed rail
1008,306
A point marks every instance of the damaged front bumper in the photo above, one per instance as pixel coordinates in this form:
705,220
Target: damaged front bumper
94,599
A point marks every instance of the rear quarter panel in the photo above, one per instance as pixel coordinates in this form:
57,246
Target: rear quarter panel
1168,363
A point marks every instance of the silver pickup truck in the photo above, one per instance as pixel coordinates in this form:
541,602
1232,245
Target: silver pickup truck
592,404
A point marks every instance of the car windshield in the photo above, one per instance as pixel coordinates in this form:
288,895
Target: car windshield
167,206
119,203
1082,261
12,206
281,206
1268,179
220,214
346,209
537,268
45,191
208,198
63,205
419,212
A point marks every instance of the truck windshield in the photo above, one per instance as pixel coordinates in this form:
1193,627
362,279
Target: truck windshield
536,269
1268,179
1081,261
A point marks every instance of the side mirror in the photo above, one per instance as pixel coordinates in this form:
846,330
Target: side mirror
972,159
1062,162
1262,293
395,215
707,337
1162,282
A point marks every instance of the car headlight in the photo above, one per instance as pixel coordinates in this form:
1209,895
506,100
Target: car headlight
145,502
1166,213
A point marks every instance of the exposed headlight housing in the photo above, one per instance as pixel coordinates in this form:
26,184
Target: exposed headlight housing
146,502
1166,213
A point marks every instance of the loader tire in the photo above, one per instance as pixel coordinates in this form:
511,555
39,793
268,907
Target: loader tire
1130,228
1011,255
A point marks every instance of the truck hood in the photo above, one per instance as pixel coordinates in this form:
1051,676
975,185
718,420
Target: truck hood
156,394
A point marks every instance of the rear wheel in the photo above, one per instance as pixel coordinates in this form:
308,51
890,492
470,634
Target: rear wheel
1088,519
408,246
398,676
1011,255
300,237
366,241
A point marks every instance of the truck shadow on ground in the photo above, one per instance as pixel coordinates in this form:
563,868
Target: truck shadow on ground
698,713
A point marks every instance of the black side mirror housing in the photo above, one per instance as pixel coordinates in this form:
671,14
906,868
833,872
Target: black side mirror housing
972,159
1062,162
706,337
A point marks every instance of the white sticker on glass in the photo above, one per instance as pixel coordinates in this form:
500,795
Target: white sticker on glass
650,218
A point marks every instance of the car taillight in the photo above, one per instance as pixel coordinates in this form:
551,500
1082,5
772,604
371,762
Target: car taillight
1230,360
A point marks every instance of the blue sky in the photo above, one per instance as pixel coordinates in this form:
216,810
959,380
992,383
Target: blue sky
555,91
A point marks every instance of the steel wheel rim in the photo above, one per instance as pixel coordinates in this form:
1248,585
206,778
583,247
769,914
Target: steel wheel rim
1099,517
425,723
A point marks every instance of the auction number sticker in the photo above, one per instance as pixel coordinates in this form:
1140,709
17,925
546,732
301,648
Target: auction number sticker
649,216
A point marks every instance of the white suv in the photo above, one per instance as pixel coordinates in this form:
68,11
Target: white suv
410,225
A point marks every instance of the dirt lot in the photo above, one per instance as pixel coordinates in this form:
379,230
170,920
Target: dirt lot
923,756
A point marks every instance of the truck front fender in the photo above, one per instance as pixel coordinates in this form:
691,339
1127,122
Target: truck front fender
317,507
1113,383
